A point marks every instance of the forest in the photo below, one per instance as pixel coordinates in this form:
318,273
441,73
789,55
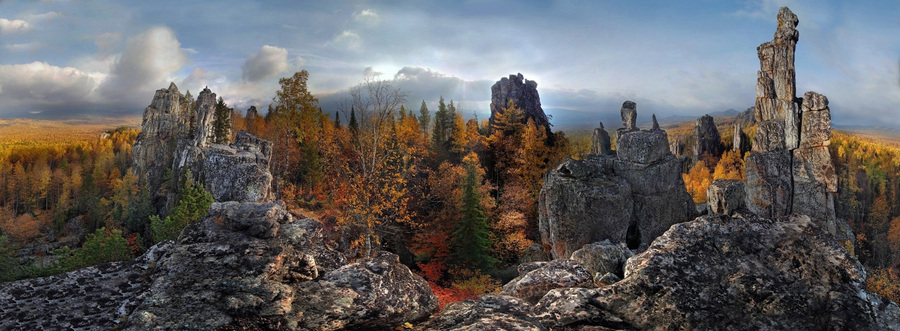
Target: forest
454,197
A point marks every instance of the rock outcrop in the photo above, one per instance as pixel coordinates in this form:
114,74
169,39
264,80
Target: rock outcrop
725,197
244,266
789,169
533,284
524,94
600,142
631,197
740,140
174,139
603,258
707,140
716,272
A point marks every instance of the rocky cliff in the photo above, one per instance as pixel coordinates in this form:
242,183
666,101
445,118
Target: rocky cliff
789,169
525,95
631,196
174,139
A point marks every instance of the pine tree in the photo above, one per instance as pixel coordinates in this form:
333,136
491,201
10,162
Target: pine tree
471,242
193,204
439,134
337,120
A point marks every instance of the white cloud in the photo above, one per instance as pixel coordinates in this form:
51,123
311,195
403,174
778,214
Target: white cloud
347,39
43,17
268,62
8,26
366,15
148,62
39,83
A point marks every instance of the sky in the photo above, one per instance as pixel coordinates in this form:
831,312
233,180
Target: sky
77,59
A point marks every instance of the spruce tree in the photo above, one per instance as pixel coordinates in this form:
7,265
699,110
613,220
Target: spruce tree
424,118
221,123
439,134
337,120
471,242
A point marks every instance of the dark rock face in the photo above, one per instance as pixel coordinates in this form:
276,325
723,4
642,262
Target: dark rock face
532,285
632,197
790,169
525,95
725,196
706,138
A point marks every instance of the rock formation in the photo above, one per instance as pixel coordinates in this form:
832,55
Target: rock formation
602,258
629,118
630,197
655,123
789,169
600,142
716,272
740,140
525,95
174,139
724,197
533,284
706,138
244,266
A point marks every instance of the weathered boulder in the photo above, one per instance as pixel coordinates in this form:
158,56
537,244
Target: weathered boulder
603,257
644,147
706,138
525,95
555,274
376,293
608,278
581,203
239,172
488,312
600,142
725,196
721,273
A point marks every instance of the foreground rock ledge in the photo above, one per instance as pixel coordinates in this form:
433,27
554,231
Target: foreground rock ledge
245,266
713,273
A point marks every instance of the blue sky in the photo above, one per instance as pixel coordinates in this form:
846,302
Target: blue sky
65,59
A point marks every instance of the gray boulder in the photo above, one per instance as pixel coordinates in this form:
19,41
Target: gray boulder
603,257
239,172
644,147
555,274
488,312
725,196
629,115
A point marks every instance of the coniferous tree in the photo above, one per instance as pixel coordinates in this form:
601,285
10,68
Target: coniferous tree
424,118
337,120
221,123
471,241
